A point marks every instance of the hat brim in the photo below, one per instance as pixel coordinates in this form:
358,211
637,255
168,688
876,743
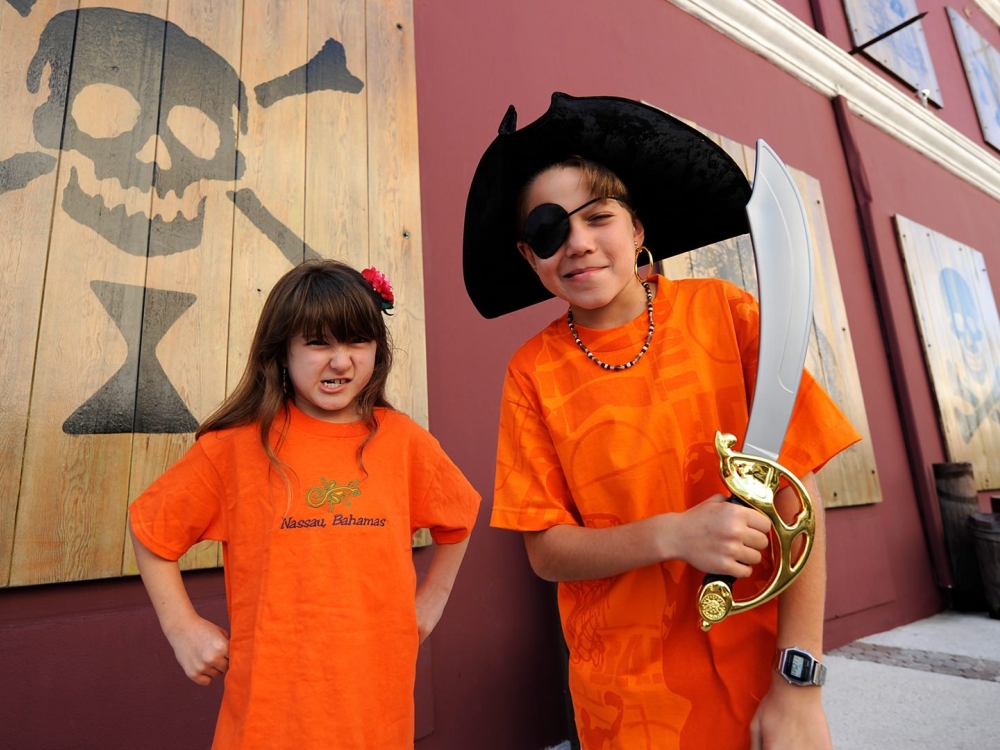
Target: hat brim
685,189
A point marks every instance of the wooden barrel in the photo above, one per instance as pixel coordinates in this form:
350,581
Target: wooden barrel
985,528
956,491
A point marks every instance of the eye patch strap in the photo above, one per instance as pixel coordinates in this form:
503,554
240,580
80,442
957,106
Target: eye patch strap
547,226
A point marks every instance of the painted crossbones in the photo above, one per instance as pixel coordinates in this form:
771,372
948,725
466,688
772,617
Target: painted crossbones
99,49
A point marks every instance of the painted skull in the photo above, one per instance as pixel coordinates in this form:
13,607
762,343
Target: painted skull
96,55
966,323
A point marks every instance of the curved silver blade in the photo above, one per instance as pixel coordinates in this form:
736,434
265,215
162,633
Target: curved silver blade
783,256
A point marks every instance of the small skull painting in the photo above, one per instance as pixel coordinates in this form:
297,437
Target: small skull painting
120,56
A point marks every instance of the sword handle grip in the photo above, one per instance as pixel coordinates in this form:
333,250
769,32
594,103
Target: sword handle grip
728,580
715,597
754,481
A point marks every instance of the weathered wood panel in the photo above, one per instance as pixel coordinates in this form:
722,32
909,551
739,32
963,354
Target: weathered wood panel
274,43
149,201
27,199
76,467
725,260
336,217
851,478
903,53
960,331
394,200
981,61
197,373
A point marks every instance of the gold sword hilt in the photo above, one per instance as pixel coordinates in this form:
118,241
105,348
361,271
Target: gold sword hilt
754,482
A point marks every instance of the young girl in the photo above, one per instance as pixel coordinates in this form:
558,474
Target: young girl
605,459
314,485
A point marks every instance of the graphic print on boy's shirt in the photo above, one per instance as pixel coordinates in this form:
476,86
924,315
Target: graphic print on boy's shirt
335,498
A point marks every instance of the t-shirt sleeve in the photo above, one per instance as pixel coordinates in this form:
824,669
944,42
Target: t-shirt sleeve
818,430
181,508
530,490
450,504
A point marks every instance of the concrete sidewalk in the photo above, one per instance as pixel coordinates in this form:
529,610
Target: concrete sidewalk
930,684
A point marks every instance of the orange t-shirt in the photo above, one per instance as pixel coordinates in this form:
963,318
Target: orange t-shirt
584,446
320,584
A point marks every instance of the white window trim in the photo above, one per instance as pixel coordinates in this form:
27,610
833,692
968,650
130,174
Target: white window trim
764,27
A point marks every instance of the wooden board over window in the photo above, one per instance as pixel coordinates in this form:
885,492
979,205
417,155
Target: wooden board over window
276,131
981,61
904,53
960,332
850,478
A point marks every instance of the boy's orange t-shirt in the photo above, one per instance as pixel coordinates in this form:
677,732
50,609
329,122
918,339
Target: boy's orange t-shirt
583,446
320,582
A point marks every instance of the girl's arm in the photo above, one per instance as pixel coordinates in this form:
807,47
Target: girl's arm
714,536
201,646
434,590
791,716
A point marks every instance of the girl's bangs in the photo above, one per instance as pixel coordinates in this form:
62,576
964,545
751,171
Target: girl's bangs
341,310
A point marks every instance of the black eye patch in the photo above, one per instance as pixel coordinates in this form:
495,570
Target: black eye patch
547,226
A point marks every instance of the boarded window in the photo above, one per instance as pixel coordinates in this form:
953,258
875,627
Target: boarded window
159,171
960,332
904,52
981,61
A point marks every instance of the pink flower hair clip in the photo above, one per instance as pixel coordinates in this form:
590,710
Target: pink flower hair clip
381,286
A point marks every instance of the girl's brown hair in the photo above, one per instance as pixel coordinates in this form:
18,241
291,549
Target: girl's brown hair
317,299
603,183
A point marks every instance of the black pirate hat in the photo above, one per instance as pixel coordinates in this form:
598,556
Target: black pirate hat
685,189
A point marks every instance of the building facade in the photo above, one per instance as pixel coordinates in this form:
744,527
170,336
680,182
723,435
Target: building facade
895,145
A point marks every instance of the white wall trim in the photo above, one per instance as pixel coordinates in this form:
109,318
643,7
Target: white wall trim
767,29
991,8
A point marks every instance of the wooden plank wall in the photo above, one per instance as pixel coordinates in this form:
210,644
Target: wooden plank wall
960,332
110,319
851,478
28,198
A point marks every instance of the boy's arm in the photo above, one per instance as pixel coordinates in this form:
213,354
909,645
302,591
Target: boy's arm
714,536
433,592
201,646
791,716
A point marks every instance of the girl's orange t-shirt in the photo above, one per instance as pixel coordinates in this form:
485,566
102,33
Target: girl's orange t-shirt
320,581
584,446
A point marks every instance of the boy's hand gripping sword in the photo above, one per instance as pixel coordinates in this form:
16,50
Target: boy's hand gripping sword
783,256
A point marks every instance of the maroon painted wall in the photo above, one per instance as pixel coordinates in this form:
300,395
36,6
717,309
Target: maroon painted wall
84,665
472,61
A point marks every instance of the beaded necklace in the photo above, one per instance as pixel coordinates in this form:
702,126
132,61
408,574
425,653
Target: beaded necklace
627,365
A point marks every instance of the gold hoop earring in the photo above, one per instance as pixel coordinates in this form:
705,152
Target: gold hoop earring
638,253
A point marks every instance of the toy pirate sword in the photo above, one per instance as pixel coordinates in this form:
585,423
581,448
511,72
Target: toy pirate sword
783,256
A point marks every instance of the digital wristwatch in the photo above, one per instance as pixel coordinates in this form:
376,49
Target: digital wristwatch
799,667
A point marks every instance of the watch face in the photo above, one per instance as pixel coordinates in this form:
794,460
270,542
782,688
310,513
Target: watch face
797,667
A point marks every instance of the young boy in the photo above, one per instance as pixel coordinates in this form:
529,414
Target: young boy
606,457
